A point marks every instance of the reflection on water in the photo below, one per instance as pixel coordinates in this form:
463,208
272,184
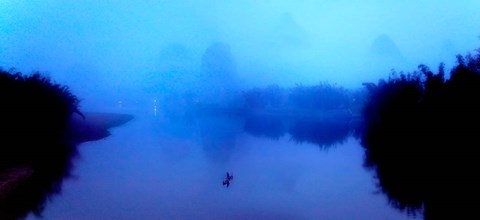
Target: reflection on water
34,168
421,139
270,127
325,132
218,136
157,168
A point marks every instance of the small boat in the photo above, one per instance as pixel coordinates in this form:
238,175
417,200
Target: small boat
227,180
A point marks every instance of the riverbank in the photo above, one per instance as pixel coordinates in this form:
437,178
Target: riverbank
19,180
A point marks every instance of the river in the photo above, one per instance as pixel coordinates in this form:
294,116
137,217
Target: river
157,167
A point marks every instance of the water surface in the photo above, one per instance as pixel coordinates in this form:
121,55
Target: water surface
156,167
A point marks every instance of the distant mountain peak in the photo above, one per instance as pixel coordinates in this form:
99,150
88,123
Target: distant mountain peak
384,46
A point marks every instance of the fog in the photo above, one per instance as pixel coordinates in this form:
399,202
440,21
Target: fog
110,46
287,125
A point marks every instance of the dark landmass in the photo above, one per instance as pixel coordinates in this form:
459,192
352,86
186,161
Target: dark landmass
421,138
41,127
315,102
323,114
22,191
95,125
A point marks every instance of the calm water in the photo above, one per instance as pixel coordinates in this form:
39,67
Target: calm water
159,168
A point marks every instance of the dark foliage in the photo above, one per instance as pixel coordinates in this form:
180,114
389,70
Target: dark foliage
322,97
34,116
322,114
421,135
255,99
260,98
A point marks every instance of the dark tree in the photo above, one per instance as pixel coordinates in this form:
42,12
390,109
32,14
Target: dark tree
34,141
421,138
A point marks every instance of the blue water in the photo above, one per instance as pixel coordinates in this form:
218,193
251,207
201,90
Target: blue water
155,167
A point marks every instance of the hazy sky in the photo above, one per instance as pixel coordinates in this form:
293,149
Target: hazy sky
120,43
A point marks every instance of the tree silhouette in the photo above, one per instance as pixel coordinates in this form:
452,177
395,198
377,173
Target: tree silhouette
34,142
421,132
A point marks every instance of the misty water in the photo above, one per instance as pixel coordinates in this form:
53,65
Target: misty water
158,167
120,56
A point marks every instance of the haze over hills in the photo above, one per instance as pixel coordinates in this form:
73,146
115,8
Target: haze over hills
384,47
114,50
384,55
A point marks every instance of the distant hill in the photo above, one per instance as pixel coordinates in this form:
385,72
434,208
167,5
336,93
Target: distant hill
384,55
384,47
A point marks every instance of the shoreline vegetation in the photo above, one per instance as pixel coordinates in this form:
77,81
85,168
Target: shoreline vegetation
419,130
421,136
321,102
40,131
